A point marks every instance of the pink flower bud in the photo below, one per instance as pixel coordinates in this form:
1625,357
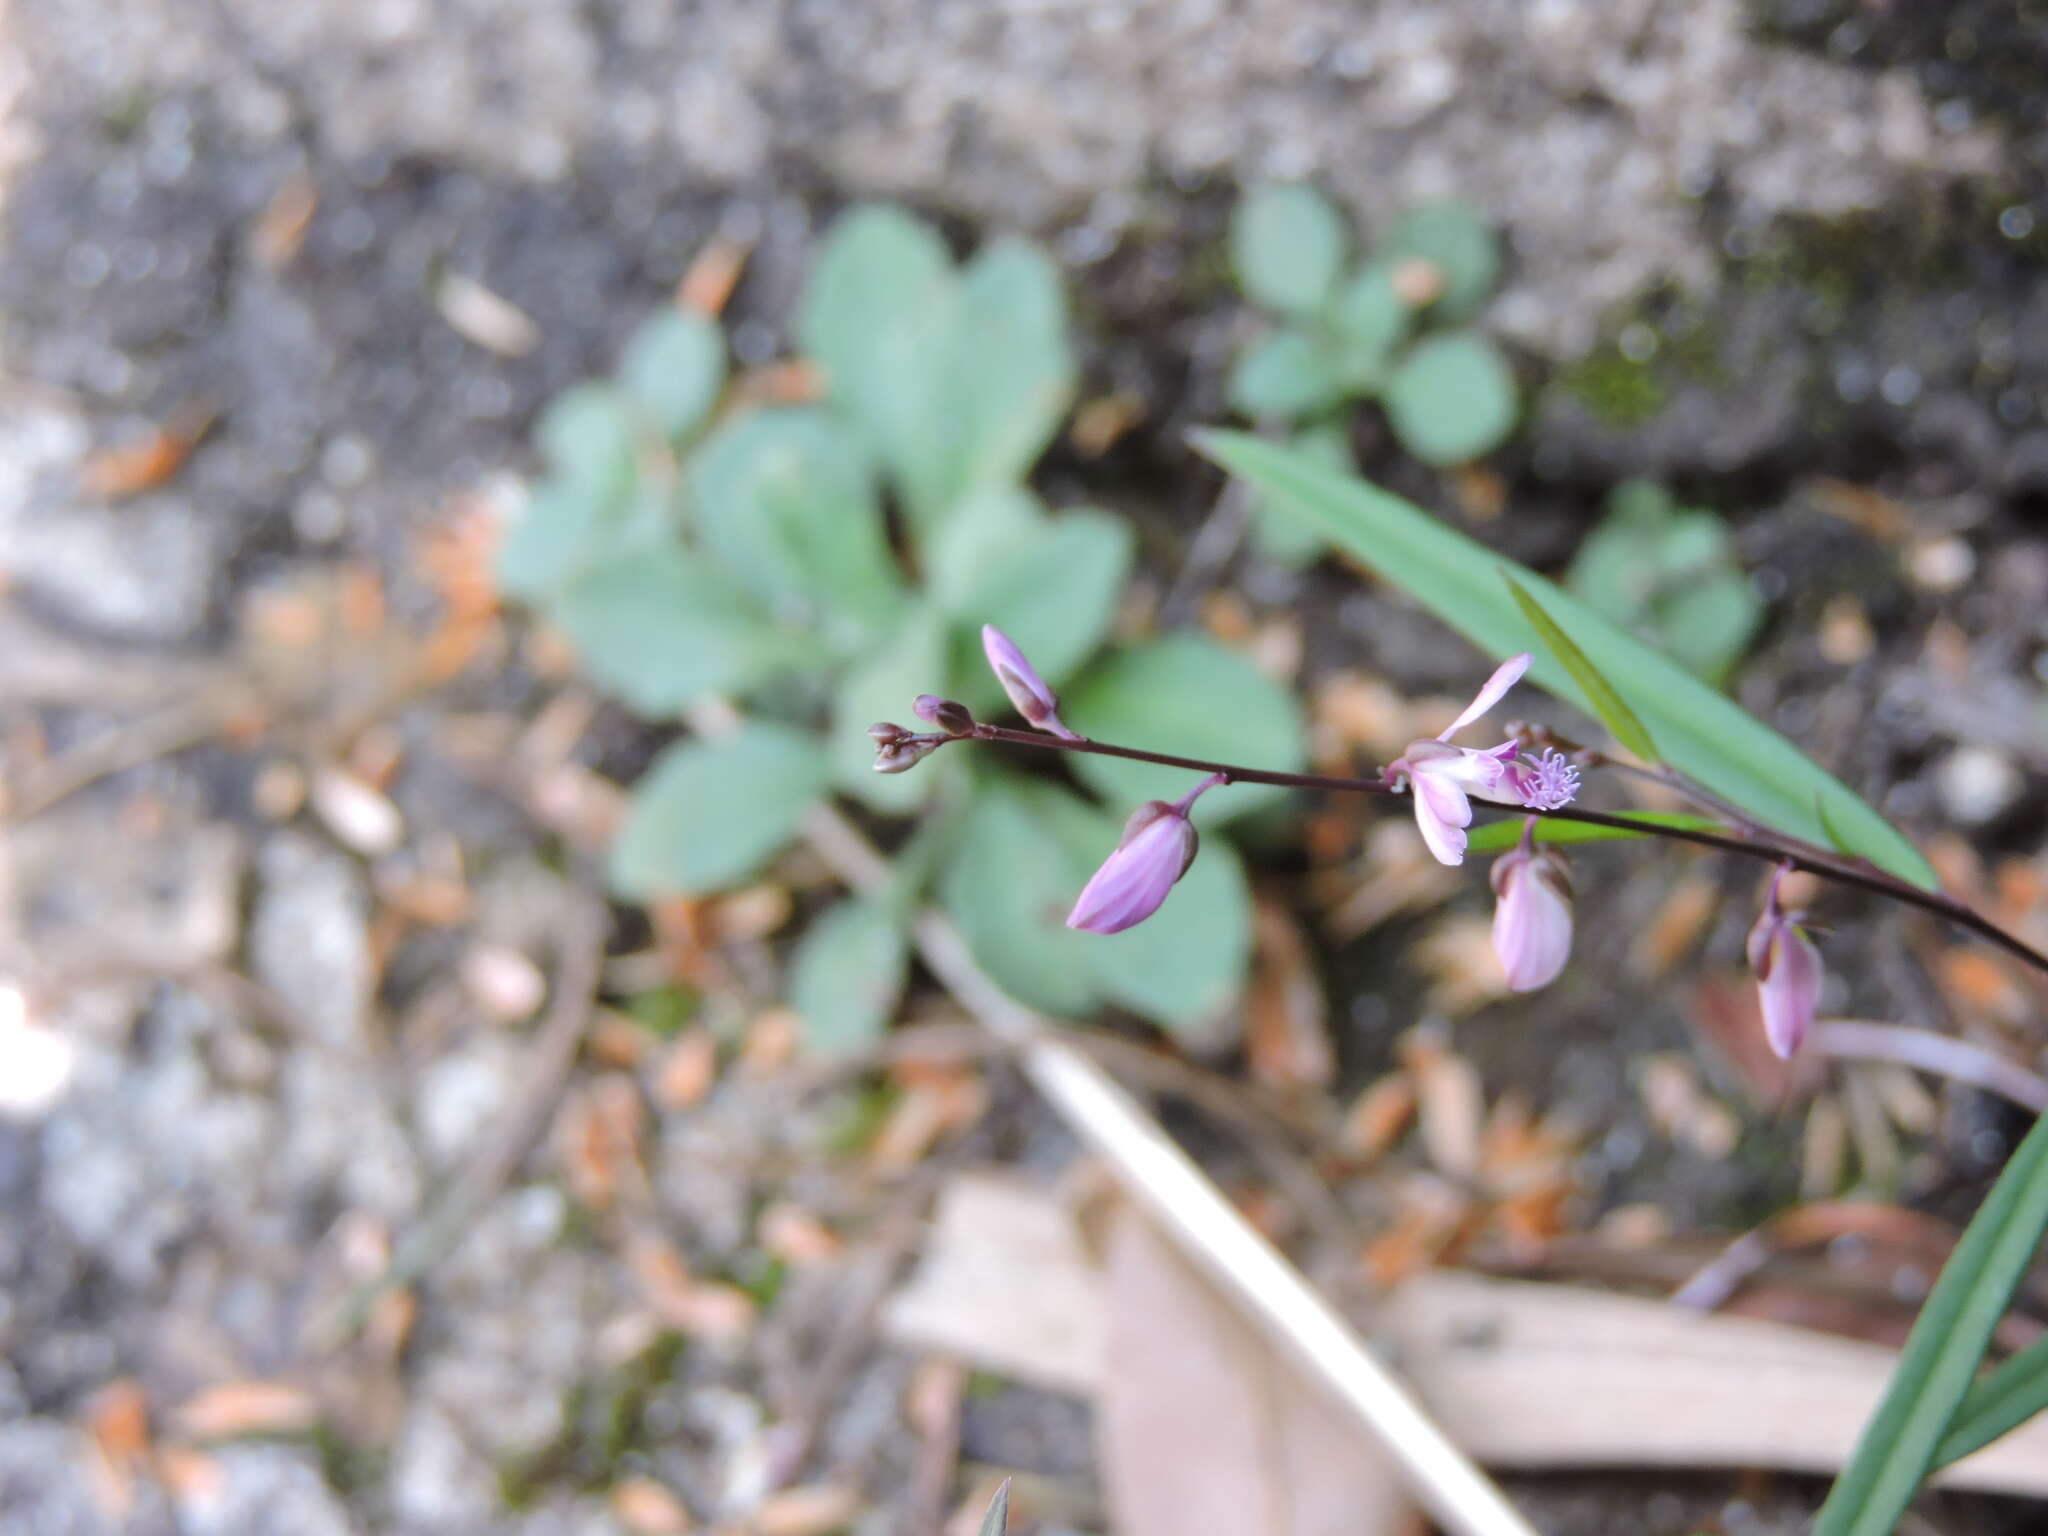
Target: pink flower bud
1788,975
1027,690
1532,924
1158,845
950,715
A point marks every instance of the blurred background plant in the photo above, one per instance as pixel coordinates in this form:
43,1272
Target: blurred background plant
1670,574
823,560
1398,326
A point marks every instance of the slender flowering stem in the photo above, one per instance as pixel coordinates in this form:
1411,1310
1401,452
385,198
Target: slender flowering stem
1771,846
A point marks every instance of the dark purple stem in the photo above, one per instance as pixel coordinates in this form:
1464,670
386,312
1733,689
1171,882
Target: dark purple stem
1771,846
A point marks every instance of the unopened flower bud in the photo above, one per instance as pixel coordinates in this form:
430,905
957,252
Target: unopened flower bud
1158,845
1532,922
1027,690
950,715
1788,974
897,750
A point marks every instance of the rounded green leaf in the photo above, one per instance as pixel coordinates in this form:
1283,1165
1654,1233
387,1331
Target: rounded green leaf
558,531
1009,886
784,501
1188,696
847,976
1055,592
1368,319
1457,241
586,435
674,368
1287,245
710,813
878,315
1708,623
1452,398
1284,377
659,629
1013,372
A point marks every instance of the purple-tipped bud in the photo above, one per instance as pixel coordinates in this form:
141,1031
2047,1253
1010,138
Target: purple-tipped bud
949,715
1788,978
1027,690
898,750
1158,845
1788,974
1532,922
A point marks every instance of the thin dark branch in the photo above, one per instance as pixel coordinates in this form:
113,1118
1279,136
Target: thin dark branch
1769,845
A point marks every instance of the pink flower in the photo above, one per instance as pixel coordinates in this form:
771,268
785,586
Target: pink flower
1788,973
1027,690
1532,923
1158,845
1443,778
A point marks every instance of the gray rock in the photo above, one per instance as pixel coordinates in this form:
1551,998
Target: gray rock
141,571
266,1488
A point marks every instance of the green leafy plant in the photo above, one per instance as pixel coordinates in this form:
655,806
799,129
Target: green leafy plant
1394,327
820,564
1671,575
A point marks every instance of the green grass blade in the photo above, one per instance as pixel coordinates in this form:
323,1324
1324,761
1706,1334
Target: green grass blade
1935,1372
1498,836
997,1520
1697,730
2001,1402
1614,713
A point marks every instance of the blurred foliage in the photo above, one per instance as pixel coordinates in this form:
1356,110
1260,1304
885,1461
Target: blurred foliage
1671,575
1393,328
823,563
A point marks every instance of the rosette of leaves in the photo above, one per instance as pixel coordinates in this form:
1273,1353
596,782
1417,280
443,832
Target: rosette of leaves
823,564
1394,326
1671,575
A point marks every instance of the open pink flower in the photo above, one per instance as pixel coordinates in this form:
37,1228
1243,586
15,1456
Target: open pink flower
1532,923
1443,778
1158,845
1788,973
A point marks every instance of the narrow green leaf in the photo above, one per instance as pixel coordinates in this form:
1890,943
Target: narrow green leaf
674,368
1287,245
660,629
997,1521
1998,1404
1452,398
1606,703
1281,534
1498,836
847,975
1898,1447
1189,696
710,813
1698,730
